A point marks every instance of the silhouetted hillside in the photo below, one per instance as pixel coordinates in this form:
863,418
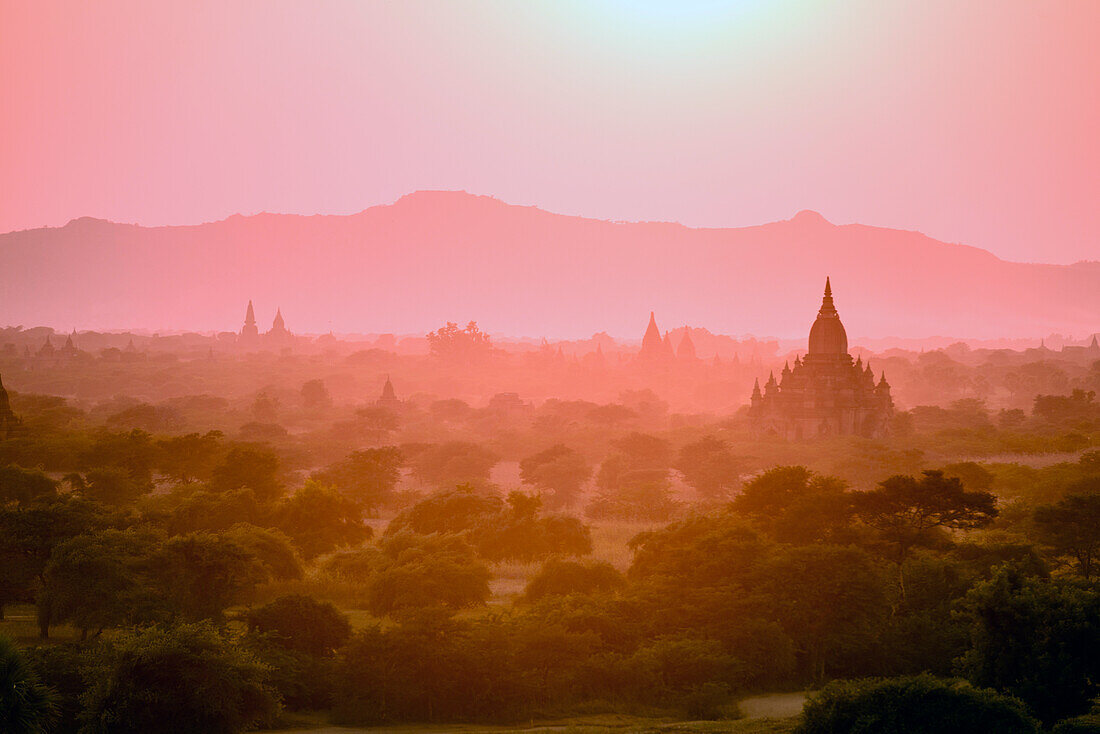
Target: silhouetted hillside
437,256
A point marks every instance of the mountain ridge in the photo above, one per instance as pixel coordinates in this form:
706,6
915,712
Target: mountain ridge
437,256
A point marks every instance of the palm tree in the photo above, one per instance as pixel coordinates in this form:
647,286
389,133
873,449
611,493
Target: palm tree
26,706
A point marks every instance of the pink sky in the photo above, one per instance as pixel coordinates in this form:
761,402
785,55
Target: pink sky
972,122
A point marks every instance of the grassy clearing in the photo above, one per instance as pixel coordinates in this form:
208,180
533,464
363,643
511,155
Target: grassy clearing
603,724
21,625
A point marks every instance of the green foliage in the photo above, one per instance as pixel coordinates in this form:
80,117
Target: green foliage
454,462
451,343
189,679
917,705
212,511
302,624
1087,724
112,485
101,580
710,467
559,577
796,505
22,485
1038,639
558,473
319,519
270,547
1071,527
368,476
190,457
427,571
315,395
26,705
512,530
28,536
251,467
208,573
907,511
826,598
520,534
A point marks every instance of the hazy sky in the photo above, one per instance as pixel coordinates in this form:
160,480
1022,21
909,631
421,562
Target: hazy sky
973,122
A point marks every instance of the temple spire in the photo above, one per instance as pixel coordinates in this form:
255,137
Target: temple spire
249,315
827,307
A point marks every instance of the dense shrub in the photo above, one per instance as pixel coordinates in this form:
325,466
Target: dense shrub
918,705
189,679
559,577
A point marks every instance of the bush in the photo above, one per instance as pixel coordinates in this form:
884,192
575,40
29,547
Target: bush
186,680
560,578
921,704
26,706
301,623
1089,724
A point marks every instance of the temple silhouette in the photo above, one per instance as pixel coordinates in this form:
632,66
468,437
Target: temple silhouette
825,393
278,337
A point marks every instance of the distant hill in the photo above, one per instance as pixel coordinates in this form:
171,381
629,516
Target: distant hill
438,256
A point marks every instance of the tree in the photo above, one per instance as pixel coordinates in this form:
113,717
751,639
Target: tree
426,572
796,505
315,395
23,485
521,534
28,536
188,679
133,451
709,467
112,486
253,467
271,547
907,511
301,623
455,462
826,597
319,519
1038,639
1071,527
265,408
188,458
559,472
460,345
450,511
559,577
26,705
641,495
101,580
368,476
203,574
917,705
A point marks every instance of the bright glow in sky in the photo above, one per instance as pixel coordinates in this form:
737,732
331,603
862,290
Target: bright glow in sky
973,122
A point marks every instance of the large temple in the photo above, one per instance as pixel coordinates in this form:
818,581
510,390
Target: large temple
825,393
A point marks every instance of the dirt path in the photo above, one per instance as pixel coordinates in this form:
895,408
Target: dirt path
773,705
755,708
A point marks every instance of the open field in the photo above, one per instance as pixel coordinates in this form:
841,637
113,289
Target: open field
608,724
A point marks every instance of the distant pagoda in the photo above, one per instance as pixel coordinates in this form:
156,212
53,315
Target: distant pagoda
249,333
825,393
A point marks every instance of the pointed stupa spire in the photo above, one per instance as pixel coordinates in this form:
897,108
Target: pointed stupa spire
686,350
651,342
250,315
278,323
1094,345
389,396
756,390
827,307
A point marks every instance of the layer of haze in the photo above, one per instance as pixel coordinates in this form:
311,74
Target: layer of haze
972,122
